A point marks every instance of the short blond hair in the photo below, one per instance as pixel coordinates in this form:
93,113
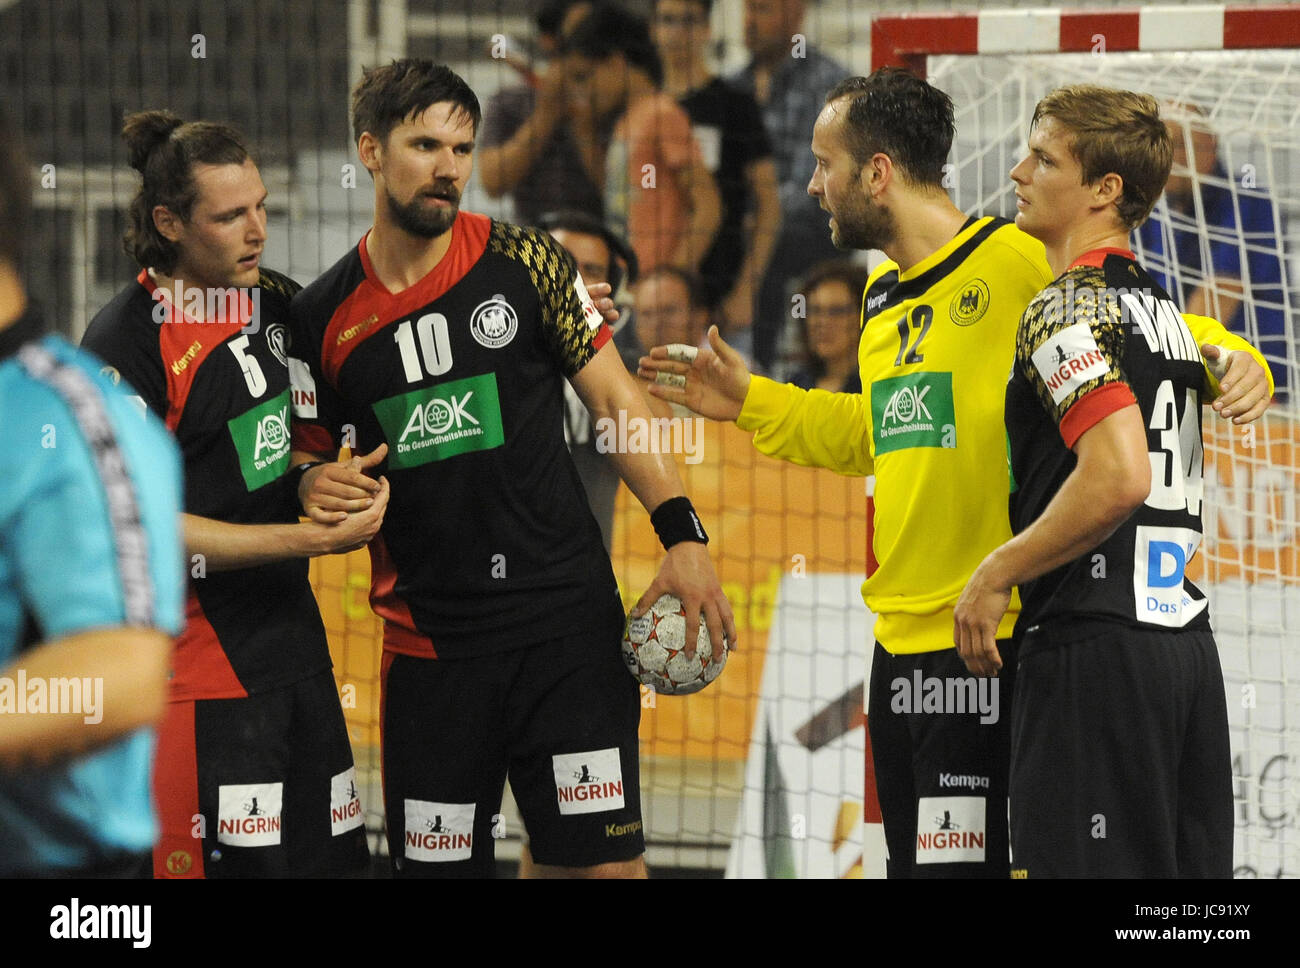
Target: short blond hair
1115,131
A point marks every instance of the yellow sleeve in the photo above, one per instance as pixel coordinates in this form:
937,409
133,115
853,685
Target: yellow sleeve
813,428
1206,329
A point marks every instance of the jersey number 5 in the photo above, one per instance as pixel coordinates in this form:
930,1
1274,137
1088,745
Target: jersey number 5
1176,481
248,363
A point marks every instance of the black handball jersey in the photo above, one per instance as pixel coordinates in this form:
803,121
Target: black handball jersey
488,543
1102,336
222,387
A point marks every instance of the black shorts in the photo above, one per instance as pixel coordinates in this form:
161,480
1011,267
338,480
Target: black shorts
559,718
940,741
259,787
1121,764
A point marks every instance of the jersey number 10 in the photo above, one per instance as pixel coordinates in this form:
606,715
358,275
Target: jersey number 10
435,347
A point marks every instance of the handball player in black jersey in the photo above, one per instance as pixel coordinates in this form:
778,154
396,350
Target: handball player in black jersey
445,337
1120,757
253,773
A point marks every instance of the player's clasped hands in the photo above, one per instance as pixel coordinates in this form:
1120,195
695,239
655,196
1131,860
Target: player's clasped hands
341,496
711,381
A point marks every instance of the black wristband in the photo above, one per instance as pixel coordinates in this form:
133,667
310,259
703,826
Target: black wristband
675,520
295,475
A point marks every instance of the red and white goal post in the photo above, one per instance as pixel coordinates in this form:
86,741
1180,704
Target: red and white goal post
1235,72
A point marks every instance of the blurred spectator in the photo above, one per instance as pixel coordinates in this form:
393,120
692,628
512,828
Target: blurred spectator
670,308
534,134
832,294
601,257
729,128
658,192
789,78
1195,240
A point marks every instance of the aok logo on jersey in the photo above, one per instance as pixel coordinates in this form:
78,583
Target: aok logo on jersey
1160,557
441,421
950,830
913,411
590,782
438,832
261,437
345,803
248,814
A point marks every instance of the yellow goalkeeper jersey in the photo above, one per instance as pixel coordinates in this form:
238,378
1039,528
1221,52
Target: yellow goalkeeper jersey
935,356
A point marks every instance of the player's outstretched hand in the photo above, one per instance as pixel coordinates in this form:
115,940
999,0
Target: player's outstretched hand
712,382
603,296
1242,381
330,492
355,530
687,572
979,611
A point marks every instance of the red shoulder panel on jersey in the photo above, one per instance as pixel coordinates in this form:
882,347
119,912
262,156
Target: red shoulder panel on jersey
1094,407
371,306
184,343
1097,257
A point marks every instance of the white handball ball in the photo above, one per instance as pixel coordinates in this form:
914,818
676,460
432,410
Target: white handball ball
654,647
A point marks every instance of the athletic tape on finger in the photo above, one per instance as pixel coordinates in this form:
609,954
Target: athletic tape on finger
681,352
670,379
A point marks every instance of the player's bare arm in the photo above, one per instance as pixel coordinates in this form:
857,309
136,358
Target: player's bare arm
131,662
608,389
712,382
226,546
1110,481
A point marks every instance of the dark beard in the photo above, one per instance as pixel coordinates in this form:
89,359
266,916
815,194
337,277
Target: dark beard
418,219
872,228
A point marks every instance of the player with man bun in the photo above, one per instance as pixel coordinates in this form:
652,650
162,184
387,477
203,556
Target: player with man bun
254,772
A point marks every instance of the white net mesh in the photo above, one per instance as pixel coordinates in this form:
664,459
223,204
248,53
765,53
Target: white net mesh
1225,238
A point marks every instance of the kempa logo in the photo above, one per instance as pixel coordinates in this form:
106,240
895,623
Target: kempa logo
356,329
22,696
957,695
914,411
442,421
963,781
494,323
75,921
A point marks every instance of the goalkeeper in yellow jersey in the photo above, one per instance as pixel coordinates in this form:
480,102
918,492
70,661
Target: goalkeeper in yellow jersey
938,336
